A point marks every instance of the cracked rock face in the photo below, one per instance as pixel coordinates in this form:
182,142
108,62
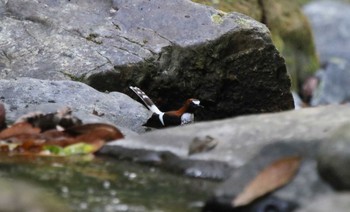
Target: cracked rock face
171,49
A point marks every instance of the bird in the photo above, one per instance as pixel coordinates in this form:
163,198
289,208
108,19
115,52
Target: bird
159,119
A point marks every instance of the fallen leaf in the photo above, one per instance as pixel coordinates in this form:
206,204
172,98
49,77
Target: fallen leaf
276,175
19,129
73,149
38,134
58,138
78,148
91,132
46,121
29,146
52,150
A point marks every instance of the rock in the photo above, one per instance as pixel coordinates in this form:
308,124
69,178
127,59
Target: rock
16,195
25,95
305,186
334,83
334,158
171,49
244,146
290,29
329,21
237,137
328,202
303,2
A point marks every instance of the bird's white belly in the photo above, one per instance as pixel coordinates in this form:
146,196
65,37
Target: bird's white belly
187,118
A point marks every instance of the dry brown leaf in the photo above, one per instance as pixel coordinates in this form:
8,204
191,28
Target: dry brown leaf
19,129
91,132
58,138
29,146
277,174
24,139
47,121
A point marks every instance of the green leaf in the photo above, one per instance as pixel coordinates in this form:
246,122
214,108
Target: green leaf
55,150
78,148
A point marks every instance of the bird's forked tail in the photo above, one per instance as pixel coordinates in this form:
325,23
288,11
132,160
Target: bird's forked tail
148,102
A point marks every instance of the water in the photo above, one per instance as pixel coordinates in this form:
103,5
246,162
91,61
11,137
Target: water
104,184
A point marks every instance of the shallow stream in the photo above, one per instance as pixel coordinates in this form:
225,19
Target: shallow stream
105,184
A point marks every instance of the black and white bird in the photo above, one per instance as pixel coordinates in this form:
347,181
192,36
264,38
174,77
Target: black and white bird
159,119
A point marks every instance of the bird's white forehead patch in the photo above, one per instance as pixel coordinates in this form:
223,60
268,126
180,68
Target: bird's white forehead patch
196,101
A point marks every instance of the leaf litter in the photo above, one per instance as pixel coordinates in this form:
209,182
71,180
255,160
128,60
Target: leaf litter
53,134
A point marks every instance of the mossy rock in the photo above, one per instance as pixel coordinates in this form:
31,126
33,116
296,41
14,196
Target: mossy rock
303,2
291,32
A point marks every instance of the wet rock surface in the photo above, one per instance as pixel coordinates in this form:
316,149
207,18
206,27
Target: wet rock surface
242,154
171,49
25,95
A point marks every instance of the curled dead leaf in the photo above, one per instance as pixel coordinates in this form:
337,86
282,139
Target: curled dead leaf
39,134
46,121
23,128
276,175
93,131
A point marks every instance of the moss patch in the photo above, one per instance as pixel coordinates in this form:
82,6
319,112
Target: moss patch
217,18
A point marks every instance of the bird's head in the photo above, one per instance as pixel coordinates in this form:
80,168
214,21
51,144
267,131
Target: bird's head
192,105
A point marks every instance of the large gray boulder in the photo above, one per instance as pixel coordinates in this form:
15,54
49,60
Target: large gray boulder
171,49
25,95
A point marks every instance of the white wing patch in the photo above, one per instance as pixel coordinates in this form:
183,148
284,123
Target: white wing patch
187,118
155,109
161,118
